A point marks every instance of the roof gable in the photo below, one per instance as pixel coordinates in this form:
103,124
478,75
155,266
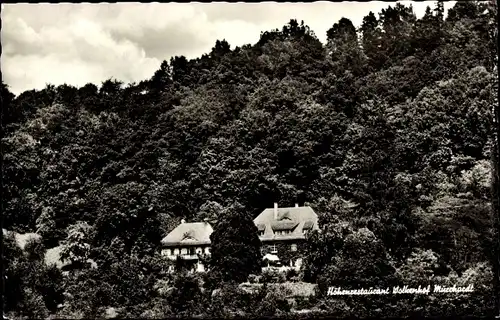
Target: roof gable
189,233
294,220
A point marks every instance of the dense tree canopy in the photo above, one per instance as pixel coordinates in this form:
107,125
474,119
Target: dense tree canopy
235,247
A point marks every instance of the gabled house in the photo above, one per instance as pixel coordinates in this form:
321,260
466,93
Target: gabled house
190,242
282,232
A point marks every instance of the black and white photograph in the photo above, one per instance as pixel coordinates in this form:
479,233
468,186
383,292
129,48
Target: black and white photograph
284,160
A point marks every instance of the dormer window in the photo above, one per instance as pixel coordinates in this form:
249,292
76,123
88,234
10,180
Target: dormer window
188,235
261,233
285,216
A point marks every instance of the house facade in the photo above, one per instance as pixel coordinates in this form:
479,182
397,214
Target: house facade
282,232
189,243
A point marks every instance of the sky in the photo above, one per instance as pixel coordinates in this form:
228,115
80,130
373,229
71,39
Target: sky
81,43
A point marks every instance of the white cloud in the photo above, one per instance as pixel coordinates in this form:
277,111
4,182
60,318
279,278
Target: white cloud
82,43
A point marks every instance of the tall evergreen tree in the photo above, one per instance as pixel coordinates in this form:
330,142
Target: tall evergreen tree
344,49
372,41
235,246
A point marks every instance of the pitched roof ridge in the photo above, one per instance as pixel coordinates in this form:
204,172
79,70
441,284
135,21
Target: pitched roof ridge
189,232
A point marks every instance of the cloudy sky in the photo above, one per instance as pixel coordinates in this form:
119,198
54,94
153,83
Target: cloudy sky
82,43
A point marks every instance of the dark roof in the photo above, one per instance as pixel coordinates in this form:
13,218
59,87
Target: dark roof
284,225
194,233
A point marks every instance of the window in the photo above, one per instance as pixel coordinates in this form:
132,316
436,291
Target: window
207,250
169,252
282,232
199,250
191,251
183,251
176,252
293,247
261,233
273,248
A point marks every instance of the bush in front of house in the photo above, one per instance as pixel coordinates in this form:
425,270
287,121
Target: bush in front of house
292,275
273,276
269,302
230,299
303,303
186,296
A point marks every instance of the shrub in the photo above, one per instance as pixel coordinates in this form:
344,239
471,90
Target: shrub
270,302
33,306
51,286
273,276
292,275
211,280
35,249
302,303
334,307
234,299
186,295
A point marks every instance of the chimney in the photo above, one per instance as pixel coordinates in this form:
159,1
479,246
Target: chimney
296,205
183,221
275,211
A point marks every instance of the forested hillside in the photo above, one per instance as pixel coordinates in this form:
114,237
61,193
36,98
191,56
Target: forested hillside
386,131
